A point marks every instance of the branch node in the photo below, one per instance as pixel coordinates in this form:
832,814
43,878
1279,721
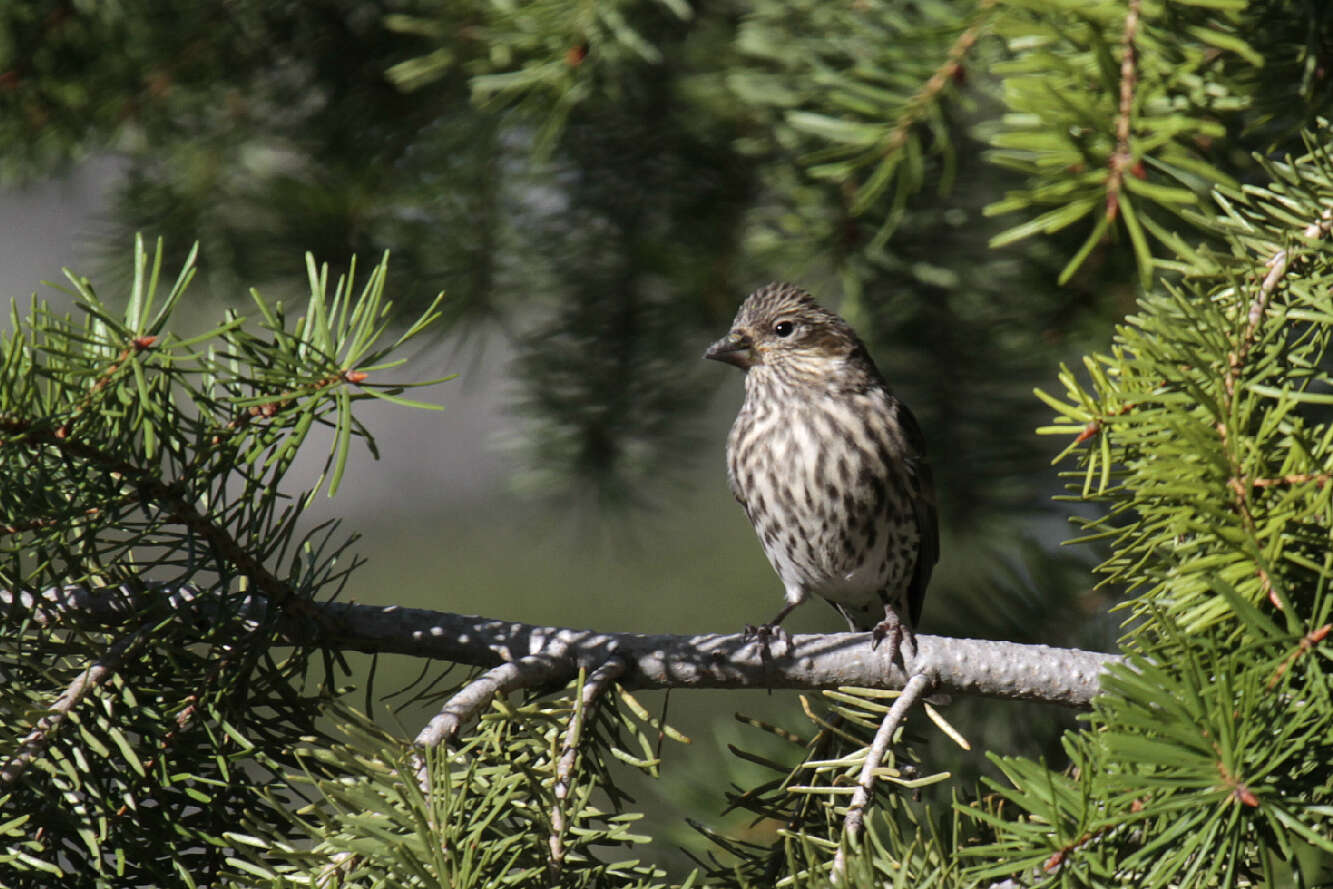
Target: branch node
526,672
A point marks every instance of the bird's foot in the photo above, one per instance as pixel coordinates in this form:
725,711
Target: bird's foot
902,641
766,634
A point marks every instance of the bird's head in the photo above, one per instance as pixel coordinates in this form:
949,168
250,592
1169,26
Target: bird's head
780,326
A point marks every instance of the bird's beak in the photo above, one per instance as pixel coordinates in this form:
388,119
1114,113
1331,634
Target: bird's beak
734,348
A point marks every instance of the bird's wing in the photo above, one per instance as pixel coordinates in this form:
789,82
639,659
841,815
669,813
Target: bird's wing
921,484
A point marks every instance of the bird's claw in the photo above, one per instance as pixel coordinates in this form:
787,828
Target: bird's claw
902,641
765,634
887,629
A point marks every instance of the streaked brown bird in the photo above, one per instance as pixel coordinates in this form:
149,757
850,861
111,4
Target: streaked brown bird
829,466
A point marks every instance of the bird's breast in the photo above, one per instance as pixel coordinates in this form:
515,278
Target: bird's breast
823,489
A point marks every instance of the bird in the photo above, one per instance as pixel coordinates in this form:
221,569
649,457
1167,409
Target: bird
829,467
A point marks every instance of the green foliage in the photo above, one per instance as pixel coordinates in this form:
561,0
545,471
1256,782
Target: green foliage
834,88
1205,433
52,113
383,813
138,459
645,158
1118,113
559,167
134,459
1206,422
1210,771
1122,117
622,173
804,805
538,55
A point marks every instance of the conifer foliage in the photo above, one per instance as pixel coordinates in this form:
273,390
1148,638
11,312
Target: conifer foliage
1204,432
183,732
137,461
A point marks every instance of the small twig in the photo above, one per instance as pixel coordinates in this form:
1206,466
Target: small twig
136,345
334,874
152,490
1305,646
1277,266
1239,790
1129,78
947,71
1057,859
564,771
527,672
69,519
1295,478
44,731
916,687
1240,493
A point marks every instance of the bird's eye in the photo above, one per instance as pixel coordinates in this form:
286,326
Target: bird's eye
784,328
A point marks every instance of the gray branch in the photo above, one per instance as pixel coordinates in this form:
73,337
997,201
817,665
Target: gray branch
528,672
569,752
852,823
553,655
39,739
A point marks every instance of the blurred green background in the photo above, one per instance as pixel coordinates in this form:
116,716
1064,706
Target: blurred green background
595,191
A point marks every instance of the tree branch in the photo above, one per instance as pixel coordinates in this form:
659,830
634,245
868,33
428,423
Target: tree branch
39,739
1123,155
592,689
553,655
916,106
527,672
916,687
1277,266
